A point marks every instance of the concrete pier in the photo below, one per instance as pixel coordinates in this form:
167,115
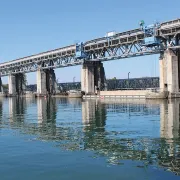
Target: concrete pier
172,71
92,77
169,73
163,73
51,81
46,82
41,82
12,85
20,83
17,84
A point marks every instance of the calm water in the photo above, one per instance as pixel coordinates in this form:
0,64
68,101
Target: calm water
47,139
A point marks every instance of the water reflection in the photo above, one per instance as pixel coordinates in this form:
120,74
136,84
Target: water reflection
17,109
47,110
94,114
170,119
117,130
169,128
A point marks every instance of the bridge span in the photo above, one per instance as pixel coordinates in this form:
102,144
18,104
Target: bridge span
159,38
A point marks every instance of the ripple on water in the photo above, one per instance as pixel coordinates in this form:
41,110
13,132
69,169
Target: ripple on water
110,134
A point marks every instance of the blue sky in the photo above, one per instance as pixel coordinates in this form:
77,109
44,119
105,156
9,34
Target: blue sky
29,27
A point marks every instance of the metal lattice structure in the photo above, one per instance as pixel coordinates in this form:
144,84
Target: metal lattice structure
121,45
70,86
114,84
133,83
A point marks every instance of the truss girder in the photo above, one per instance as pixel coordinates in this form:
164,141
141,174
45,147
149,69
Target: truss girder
122,45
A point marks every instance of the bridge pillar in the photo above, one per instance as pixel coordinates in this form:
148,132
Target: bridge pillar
41,83
172,71
169,72
20,81
12,84
92,77
163,74
16,84
51,81
46,82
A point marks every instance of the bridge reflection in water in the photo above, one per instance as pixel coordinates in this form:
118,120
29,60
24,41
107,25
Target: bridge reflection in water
74,124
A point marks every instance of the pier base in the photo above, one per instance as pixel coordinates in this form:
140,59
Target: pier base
46,82
12,85
41,83
169,74
17,84
92,77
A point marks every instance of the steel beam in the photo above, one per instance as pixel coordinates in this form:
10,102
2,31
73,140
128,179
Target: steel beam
122,45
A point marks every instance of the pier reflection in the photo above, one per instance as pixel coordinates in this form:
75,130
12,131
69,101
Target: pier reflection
170,137
169,116
46,110
46,115
163,151
94,114
90,127
17,109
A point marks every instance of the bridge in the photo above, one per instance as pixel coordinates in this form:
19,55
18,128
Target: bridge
159,38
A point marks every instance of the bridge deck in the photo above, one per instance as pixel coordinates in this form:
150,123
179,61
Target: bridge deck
120,46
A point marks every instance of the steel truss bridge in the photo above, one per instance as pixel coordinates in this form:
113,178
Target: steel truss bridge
121,45
112,84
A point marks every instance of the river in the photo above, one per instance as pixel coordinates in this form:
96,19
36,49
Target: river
61,138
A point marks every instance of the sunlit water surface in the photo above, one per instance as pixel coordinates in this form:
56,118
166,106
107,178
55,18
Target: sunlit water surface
47,139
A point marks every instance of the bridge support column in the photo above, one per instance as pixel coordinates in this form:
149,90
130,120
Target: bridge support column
46,82
92,77
172,72
169,73
20,80
163,74
51,81
41,83
12,85
17,84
